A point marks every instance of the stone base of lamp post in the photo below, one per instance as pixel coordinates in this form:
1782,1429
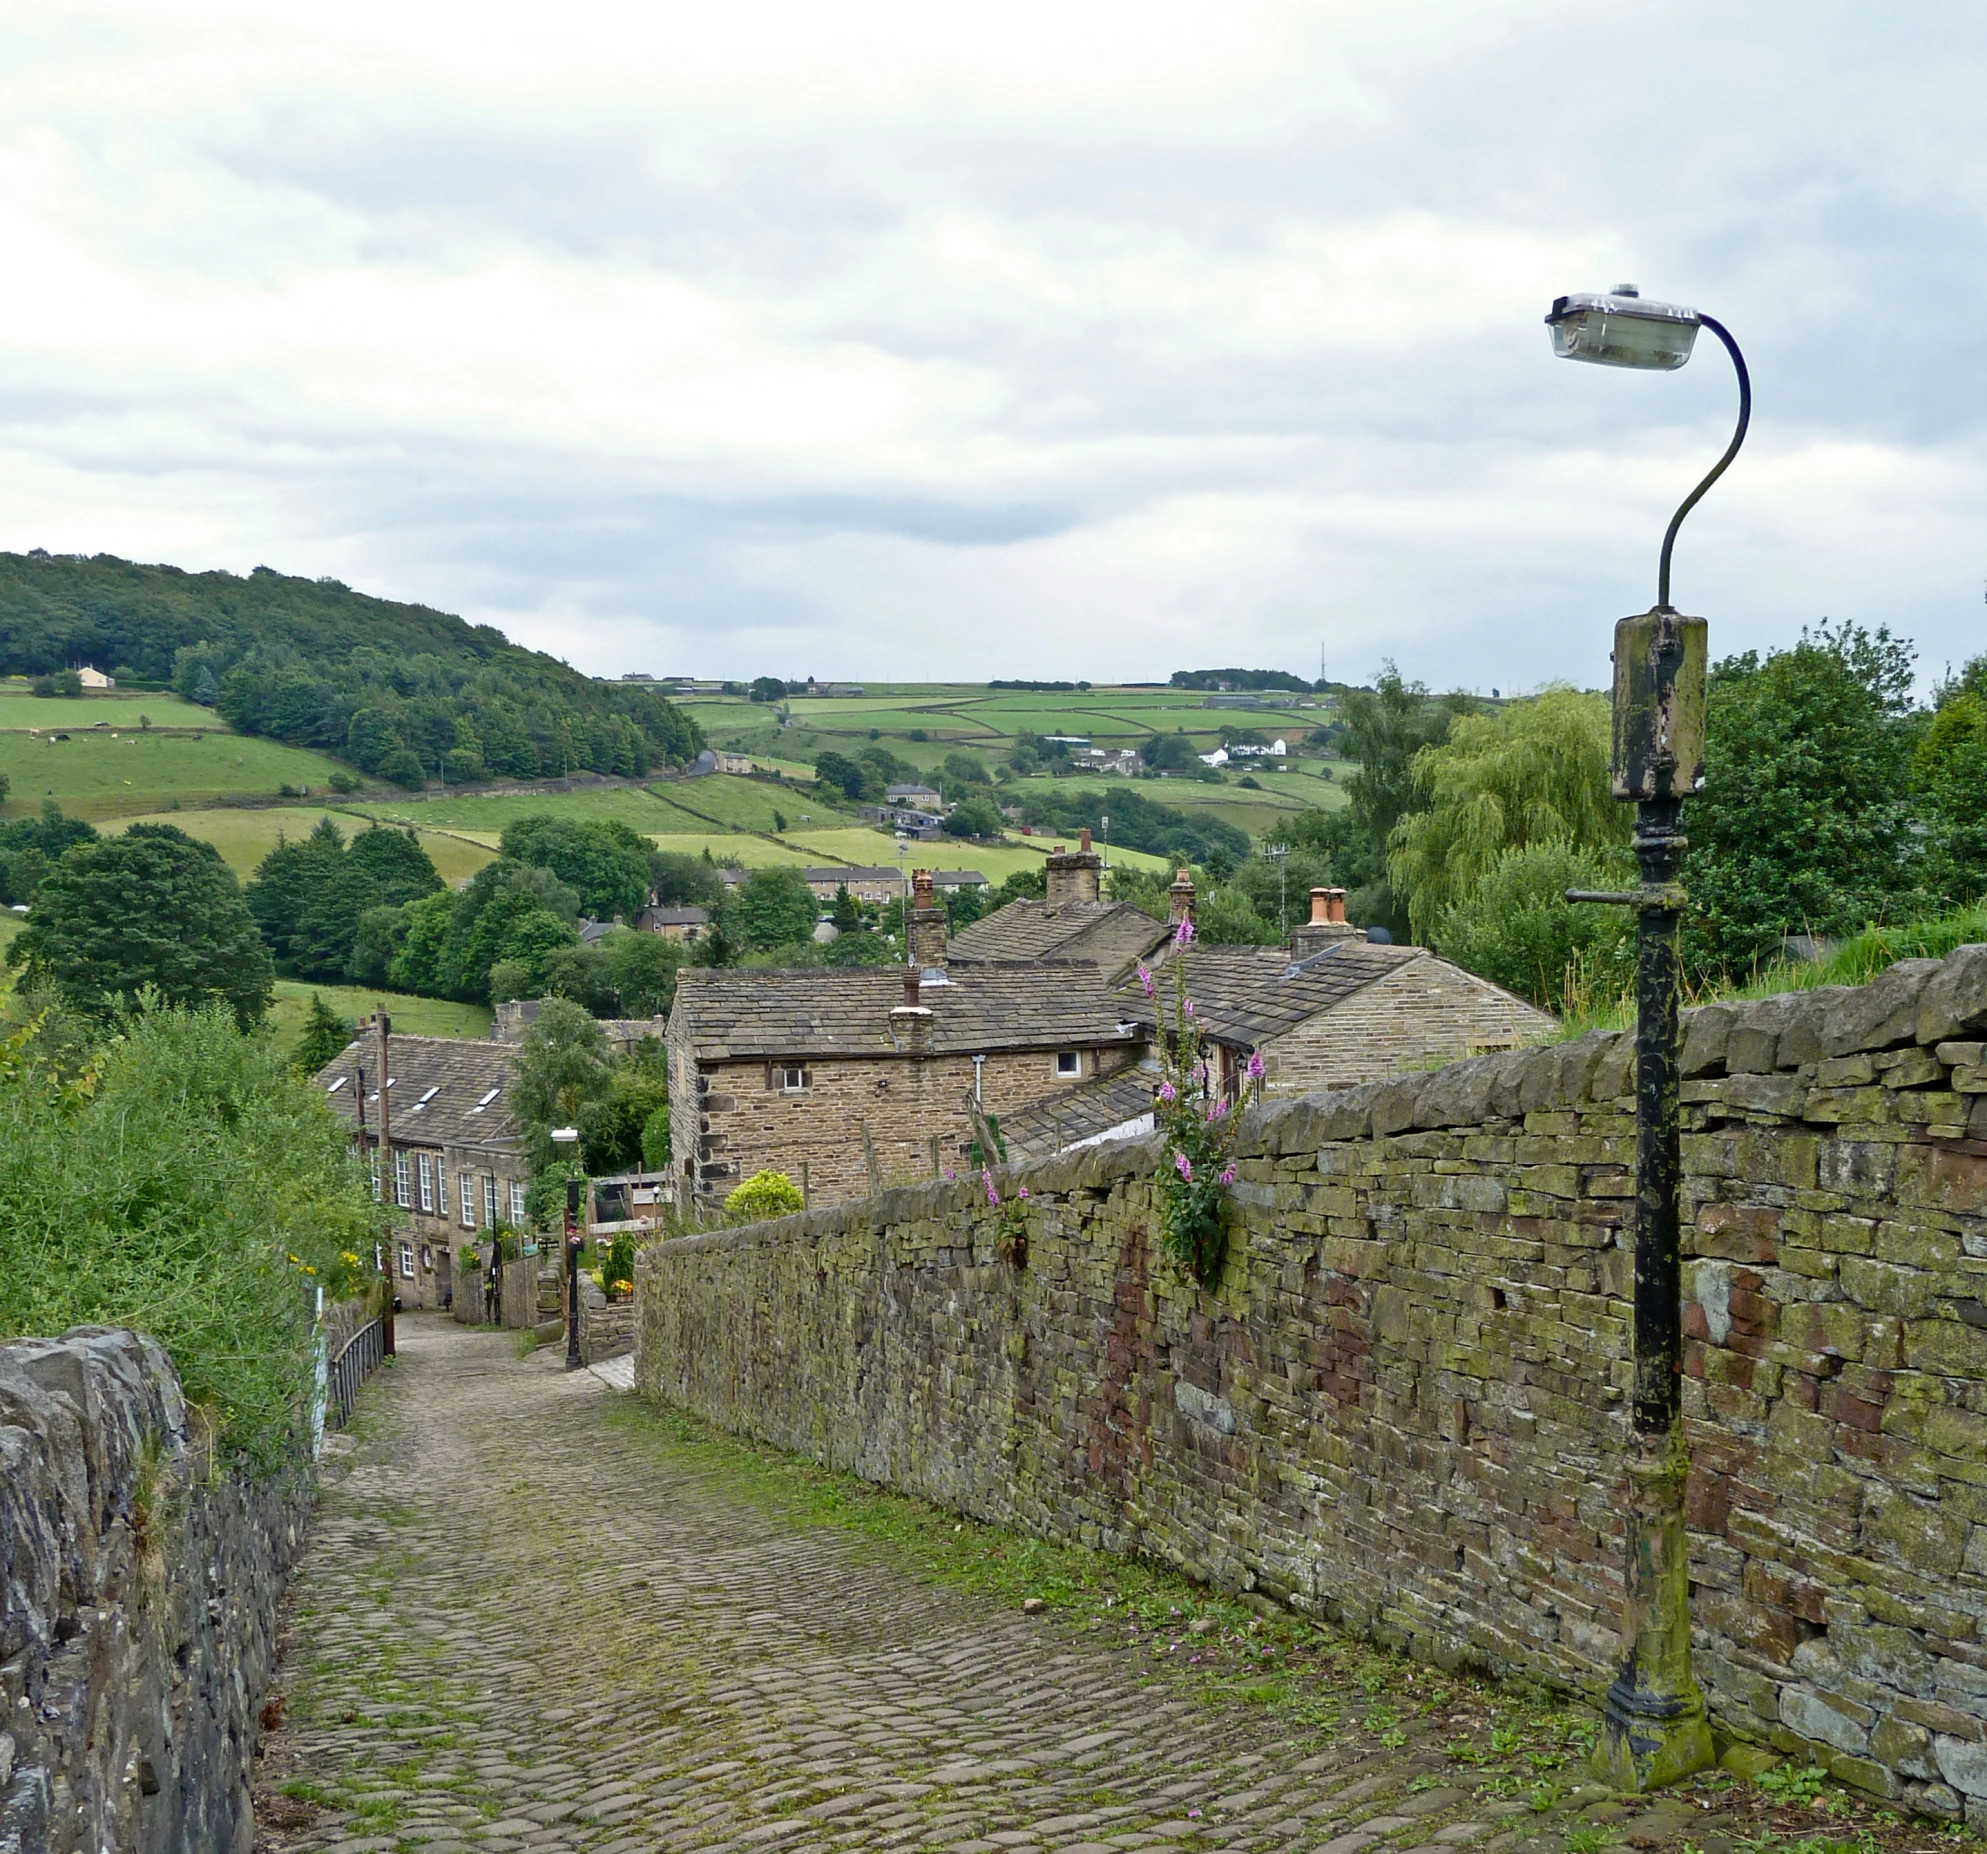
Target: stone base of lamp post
1654,1730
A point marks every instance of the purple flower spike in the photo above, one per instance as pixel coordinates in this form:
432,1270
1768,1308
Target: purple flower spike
1145,981
1024,1191
1218,1109
993,1196
1255,1068
1228,1175
1190,1007
1183,935
1184,1166
1167,1092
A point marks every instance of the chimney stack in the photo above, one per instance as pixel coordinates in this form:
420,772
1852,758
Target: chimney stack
1180,898
924,926
1075,875
911,1021
1326,926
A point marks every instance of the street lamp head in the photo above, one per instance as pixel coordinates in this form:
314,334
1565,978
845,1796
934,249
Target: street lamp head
1621,330
565,1136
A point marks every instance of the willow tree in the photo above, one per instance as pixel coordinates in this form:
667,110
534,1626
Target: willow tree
1533,772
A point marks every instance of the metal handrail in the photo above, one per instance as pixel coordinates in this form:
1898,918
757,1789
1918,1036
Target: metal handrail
357,1360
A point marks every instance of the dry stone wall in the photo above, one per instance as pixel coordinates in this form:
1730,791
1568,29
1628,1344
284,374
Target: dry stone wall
137,1607
1404,1406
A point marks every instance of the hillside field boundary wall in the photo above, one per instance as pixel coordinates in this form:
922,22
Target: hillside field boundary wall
1404,1406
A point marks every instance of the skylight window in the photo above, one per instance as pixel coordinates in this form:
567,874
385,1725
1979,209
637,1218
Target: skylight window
486,1100
339,1083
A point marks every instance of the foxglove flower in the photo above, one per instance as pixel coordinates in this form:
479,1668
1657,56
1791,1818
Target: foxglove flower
1168,1093
993,1196
1255,1069
1183,935
1190,1007
1145,981
1184,1166
1219,1108
1228,1175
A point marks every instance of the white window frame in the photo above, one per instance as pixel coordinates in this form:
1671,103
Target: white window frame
517,1203
792,1077
1074,1059
406,1261
490,1200
465,1189
441,1185
426,1166
403,1186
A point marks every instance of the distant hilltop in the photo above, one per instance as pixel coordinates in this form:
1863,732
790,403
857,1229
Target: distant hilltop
403,692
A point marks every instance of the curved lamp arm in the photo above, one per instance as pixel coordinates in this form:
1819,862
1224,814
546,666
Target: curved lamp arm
1718,469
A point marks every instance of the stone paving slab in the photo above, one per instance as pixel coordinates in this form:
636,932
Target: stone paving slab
516,1628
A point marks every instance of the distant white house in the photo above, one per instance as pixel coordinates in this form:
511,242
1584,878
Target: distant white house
95,678
1275,750
1219,757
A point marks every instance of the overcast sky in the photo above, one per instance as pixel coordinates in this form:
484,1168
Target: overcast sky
1045,338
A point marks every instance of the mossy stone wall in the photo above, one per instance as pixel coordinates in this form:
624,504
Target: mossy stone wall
1404,1406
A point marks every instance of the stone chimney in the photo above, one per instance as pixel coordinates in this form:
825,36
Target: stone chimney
1180,905
924,927
1075,875
1326,925
911,1021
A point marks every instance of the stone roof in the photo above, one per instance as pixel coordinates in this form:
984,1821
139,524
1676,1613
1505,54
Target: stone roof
1110,933
1246,995
446,1091
1079,1116
729,1014
650,919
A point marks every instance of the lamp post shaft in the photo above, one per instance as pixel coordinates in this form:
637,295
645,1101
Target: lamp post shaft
1654,1728
573,1360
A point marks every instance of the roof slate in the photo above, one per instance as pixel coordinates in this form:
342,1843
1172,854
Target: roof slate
736,1014
1112,933
1078,1114
460,1071
1245,995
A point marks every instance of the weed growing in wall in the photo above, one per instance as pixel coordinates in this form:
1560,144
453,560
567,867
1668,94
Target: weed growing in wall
1198,1121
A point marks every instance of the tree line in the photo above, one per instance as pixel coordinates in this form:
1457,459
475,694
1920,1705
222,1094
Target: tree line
402,692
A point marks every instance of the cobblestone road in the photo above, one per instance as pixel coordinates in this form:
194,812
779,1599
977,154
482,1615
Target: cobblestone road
522,1625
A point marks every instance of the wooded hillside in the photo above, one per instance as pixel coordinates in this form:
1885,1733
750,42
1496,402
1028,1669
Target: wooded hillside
402,691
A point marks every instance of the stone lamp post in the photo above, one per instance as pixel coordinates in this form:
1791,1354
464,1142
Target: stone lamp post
1655,1729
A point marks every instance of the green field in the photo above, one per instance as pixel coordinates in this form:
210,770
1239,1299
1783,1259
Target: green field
740,847
878,849
98,774
719,802
120,711
245,837
410,1016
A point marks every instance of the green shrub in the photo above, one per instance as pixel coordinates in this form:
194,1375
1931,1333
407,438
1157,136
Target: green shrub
184,1181
343,781
1517,929
619,1268
764,1195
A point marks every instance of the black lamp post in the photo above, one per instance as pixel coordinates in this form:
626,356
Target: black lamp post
1655,1729
566,1139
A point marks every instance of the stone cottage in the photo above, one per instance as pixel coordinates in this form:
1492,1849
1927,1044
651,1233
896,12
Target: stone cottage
1071,921
849,1079
1331,1009
440,1141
